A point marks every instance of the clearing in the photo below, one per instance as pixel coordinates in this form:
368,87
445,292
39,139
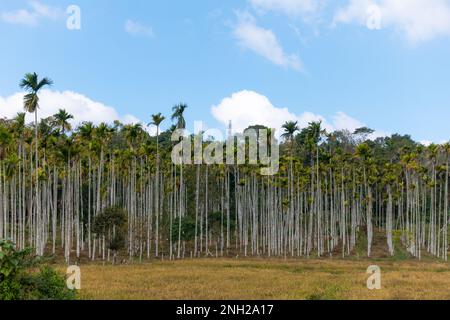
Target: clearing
221,279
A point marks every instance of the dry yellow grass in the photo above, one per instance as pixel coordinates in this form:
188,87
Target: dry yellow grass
260,279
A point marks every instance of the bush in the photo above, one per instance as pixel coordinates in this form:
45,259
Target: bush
48,285
10,289
18,281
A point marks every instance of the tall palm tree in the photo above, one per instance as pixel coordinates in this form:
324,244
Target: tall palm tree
290,128
33,86
157,119
61,120
178,115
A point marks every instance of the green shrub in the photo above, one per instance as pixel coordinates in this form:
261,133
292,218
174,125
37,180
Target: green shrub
10,289
49,285
19,281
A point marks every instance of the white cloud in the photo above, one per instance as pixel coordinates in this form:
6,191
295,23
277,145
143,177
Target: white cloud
246,108
80,106
426,143
342,121
33,15
288,7
418,20
137,29
263,42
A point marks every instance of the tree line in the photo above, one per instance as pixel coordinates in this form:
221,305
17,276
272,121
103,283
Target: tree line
61,186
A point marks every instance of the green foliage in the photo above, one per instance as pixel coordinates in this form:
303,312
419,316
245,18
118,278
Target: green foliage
108,219
361,245
188,226
215,219
117,242
111,224
12,261
18,280
400,252
47,284
187,229
10,289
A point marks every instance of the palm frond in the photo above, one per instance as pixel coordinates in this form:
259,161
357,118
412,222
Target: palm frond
44,82
29,81
31,102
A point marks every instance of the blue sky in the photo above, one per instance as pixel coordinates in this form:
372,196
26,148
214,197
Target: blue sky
255,60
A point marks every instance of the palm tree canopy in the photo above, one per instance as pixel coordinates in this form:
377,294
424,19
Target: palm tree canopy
133,133
33,85
157,119
313,133
178,115
31,82
61,120
86,129
103,133
19,122
290,128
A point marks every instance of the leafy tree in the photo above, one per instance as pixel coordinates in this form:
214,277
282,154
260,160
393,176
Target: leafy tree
109,224
362,134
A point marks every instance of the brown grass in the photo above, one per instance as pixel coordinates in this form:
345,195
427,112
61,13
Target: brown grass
224,279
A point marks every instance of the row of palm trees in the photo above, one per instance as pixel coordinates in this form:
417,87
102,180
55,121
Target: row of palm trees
334,194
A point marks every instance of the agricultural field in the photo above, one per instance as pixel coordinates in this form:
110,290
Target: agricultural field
223,279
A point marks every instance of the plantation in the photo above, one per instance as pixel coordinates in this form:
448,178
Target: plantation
98,191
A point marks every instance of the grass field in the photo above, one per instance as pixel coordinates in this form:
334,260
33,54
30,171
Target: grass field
265,279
